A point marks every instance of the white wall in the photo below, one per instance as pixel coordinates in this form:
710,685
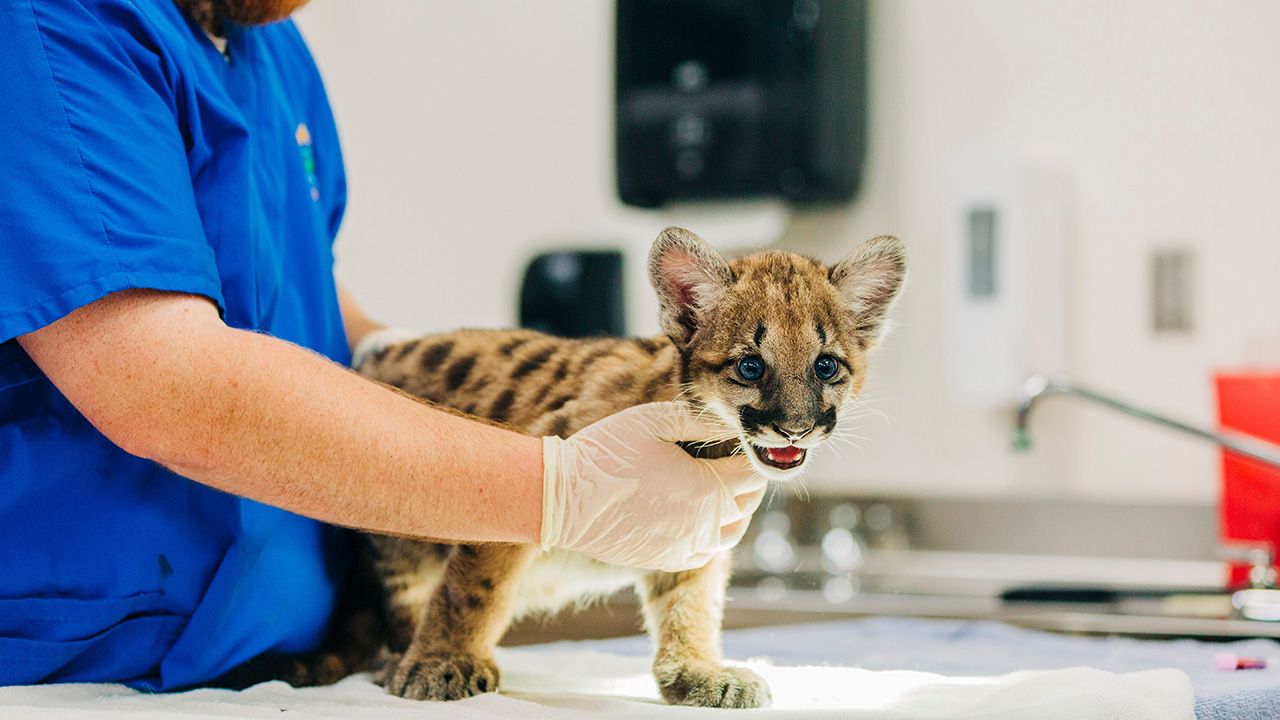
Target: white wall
477,132
475,135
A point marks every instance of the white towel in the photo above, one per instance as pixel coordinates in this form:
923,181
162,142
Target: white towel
542,685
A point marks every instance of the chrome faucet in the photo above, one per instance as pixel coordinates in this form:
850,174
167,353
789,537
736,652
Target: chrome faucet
1261,601
1040,386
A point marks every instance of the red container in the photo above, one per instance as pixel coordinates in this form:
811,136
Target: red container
1250,505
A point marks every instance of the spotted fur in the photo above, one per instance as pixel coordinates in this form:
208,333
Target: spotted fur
449,606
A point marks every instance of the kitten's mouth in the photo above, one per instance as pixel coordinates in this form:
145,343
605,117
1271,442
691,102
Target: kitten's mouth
781,458
785,458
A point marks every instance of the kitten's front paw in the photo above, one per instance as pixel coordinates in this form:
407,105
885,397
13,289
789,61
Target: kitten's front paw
384,666
441,676
710,686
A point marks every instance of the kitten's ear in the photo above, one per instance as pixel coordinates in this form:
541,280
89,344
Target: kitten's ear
690,278
869,280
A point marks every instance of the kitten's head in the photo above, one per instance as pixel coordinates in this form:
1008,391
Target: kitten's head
774,344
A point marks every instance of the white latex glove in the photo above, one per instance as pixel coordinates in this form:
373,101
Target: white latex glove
622,492
379,339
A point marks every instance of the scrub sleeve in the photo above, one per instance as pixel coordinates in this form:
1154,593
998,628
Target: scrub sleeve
133,155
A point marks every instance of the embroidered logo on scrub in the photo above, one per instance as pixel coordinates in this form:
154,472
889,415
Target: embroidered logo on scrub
303,136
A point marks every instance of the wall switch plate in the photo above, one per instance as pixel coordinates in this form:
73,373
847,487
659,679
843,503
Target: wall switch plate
1172,286
983,231
1006,286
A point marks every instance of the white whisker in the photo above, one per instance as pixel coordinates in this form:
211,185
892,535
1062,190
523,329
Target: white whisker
801,490
770,495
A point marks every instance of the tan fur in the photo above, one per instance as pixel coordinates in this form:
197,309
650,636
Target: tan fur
541,384
783,308
682,613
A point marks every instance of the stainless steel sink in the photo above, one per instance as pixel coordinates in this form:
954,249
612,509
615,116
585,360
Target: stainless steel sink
1141,571
950,559
1114,596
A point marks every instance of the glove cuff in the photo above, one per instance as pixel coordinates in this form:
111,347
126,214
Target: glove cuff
379,339
551,519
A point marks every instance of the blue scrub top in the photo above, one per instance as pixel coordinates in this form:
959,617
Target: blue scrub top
133,154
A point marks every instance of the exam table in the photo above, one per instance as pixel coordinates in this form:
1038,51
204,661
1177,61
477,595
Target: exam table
946,647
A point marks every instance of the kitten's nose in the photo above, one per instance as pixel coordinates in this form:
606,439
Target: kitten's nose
793,432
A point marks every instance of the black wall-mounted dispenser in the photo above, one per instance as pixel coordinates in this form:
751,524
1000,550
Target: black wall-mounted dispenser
740,98
574,293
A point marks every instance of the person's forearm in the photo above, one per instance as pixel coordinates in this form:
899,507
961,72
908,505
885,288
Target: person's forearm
263,419
354,321
284,435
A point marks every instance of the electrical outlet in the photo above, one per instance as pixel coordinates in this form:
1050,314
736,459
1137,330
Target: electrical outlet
1172,272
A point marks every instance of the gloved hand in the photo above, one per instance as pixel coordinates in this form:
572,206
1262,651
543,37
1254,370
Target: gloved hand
379,339
622,492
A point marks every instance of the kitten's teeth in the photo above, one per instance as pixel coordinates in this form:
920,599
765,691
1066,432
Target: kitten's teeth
784,455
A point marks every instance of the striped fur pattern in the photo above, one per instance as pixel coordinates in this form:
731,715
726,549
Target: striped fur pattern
449,606
541,384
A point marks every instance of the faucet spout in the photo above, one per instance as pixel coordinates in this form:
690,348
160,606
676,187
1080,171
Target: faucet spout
1034,388
1037,387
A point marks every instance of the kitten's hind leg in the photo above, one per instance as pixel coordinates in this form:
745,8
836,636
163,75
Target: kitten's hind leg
683,613
451,655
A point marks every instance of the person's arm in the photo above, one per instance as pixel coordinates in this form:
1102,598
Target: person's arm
366,336
162,376
357,324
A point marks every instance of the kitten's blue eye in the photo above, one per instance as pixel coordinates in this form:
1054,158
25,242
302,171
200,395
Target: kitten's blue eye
825,367
751,368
